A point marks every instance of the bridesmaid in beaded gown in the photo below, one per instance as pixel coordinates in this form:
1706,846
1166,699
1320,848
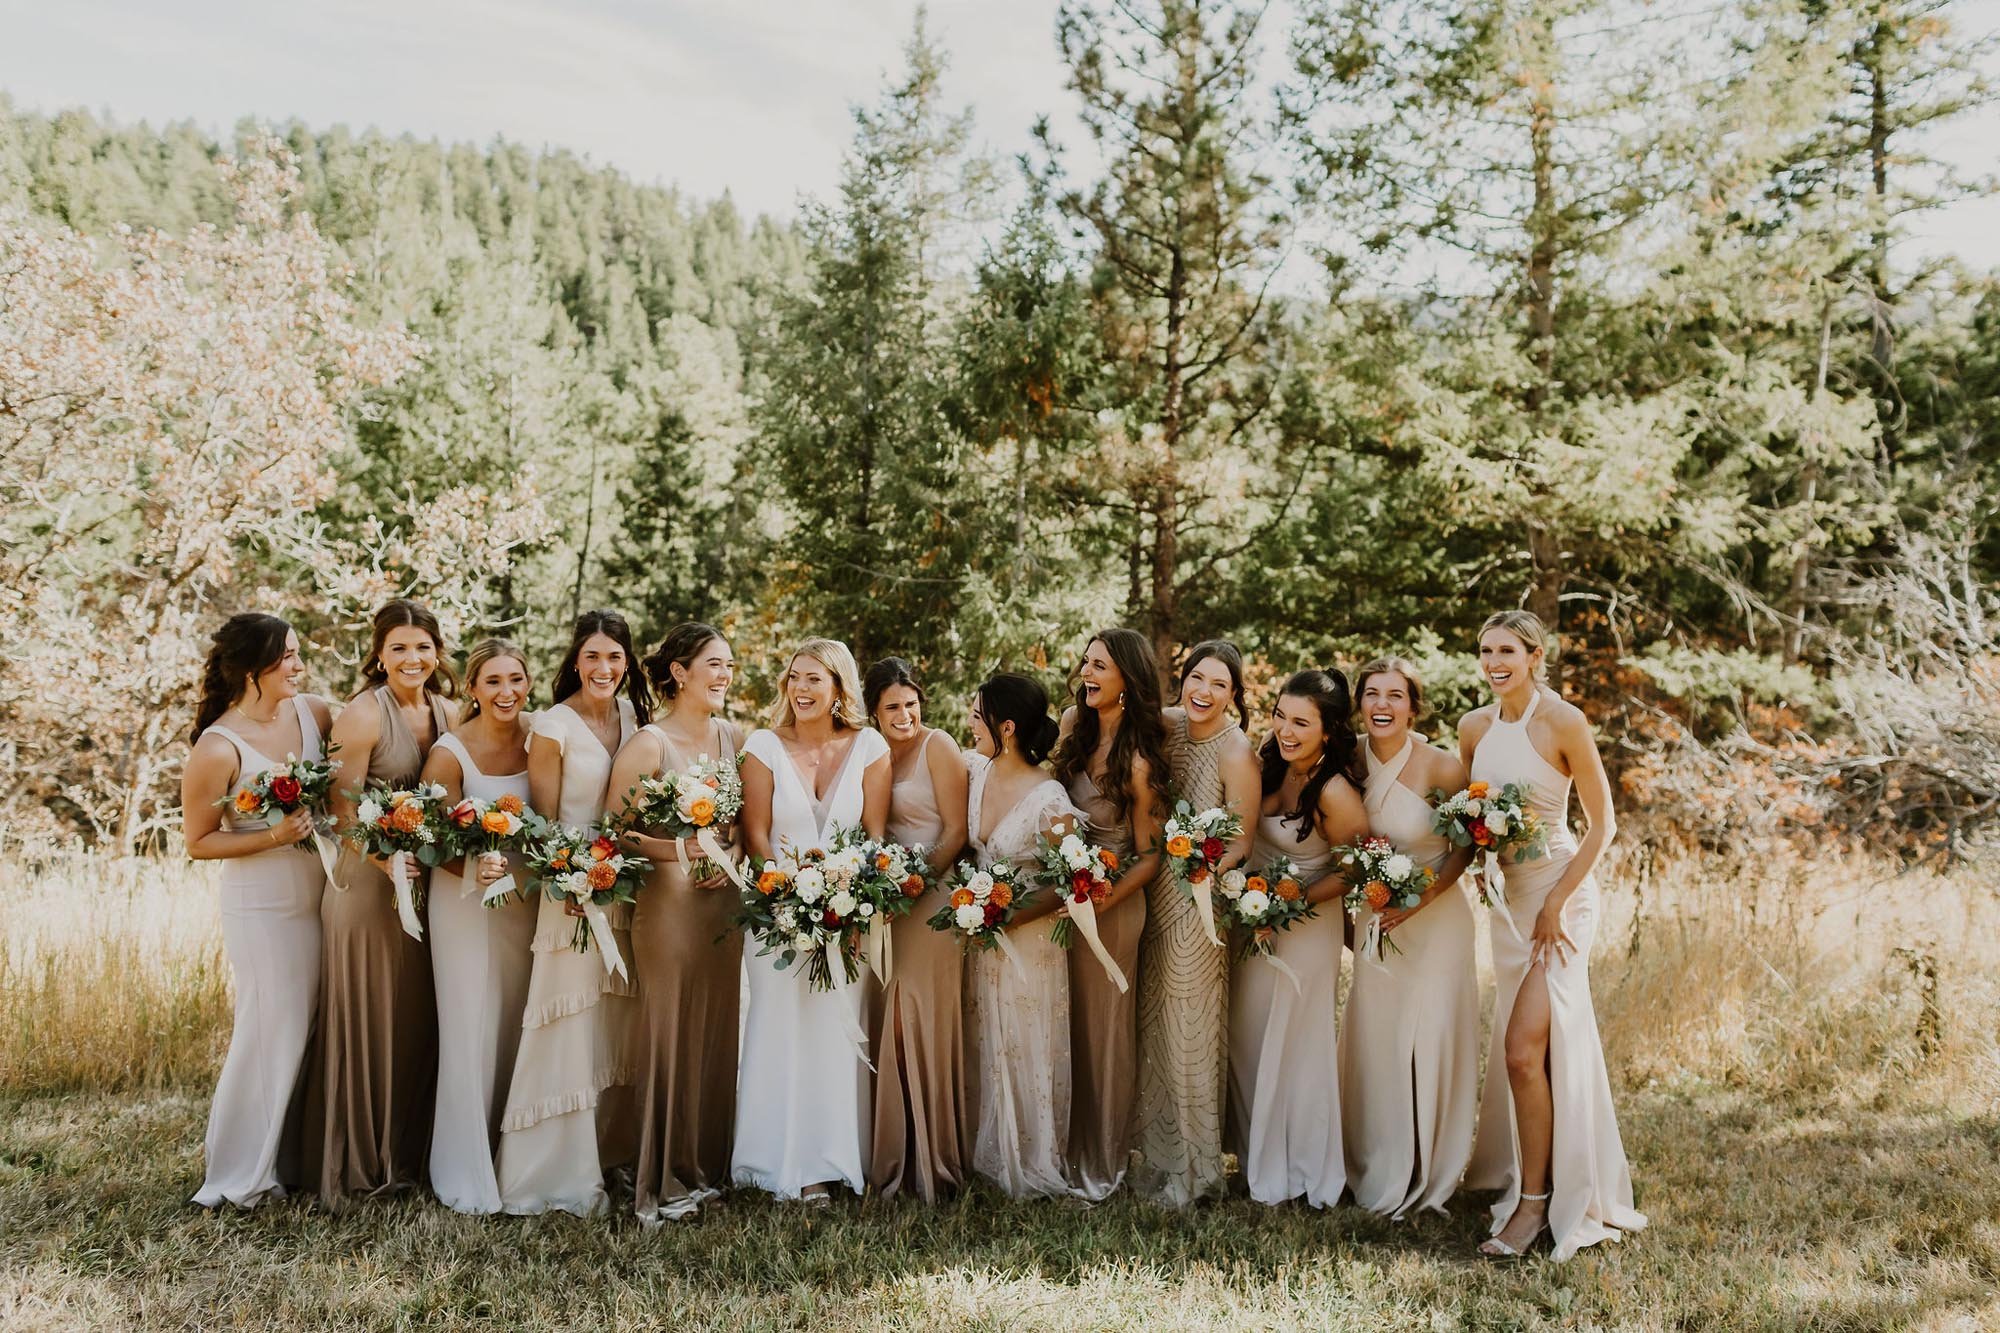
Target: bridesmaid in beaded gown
1409,1040
1112,759
1548,1133
1284,1078
922,1137
251,718
368,1111
479,954
686,955
1184,983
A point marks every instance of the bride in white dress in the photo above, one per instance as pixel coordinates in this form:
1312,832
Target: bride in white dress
1018,1022
803,1088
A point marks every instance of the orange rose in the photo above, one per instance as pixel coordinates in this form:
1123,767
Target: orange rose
511,803
770,882
961,897
1288,890
602,875
494,821
1199,875
701,812
1377,894
1477,791
247,801
407,817
559,859
1108,859
1256,884
882,860
1002,896
913,886
602,849
1180,846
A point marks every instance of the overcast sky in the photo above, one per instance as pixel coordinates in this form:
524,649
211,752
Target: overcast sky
749,96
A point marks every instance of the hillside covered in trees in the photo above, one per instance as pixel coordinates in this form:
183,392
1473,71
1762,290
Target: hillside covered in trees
1683,393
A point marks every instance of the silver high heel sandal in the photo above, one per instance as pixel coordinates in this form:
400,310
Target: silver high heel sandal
1495,1248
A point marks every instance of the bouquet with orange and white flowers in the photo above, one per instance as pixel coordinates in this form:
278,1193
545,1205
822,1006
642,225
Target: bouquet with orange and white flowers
984,904
406,826
815,903
1380,878
1083,872
475,828
585,868
1261,903
297,784
1196,842
1501,824
692,803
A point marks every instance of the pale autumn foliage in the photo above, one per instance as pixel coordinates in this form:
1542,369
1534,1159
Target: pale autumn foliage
172,410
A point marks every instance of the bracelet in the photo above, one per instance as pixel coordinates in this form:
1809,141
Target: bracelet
272,834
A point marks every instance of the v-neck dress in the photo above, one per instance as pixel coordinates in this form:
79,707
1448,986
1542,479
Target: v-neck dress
803,1090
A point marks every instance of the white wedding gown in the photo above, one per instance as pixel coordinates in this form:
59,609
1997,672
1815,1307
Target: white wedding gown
803,1089
1017,1023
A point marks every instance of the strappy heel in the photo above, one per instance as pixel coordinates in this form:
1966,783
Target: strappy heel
1495,1248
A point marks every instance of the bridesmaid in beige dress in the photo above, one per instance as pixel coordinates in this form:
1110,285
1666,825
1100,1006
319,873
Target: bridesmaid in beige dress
921,1137
686,955
1548,1133
1112,759
369,1108
480,955
1409,1041
1184,981
563,1129
251,718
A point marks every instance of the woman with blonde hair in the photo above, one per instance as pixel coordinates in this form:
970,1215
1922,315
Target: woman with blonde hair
803,1086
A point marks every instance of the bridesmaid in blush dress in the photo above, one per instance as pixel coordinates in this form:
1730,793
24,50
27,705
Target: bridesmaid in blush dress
480,955
368,1111
921,1135
1409,1040
687,957
1548,1133
803,1092
1112,759
1184,984
251,719
1284,1077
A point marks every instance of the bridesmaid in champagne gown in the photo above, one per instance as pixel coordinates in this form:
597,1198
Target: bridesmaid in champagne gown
251,719
803,1091
480,955
687,957
1284,1080
1409,1040
370,1100
1112,759
556,1132
1017,1012
1184,985
921,1133
1548,1133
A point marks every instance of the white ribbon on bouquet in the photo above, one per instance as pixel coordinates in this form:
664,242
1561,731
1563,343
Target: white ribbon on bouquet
599,926
716,852
1372,939
1204,902
499,888
403,874
1284,969
1011,954
1496,894
329,855
1083,916
836,968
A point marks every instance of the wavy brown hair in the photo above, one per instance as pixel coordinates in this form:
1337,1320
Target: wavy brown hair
613,627
1231,657
242,648
1141,731
1340,754
402,613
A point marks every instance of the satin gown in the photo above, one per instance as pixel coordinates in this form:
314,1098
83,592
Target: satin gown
271,934
803,1090
1591,1198
1103,1023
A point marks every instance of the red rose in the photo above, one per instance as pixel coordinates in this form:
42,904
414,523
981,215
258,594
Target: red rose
463,814
603,849
1080,880
285,789
993,913
832,918
1212,850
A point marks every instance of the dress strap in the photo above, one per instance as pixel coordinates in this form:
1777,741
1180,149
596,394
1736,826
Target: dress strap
246,755
450,742
1534,702
309,738
1384,774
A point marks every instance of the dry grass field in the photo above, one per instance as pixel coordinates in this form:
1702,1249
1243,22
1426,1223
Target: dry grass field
1805,1057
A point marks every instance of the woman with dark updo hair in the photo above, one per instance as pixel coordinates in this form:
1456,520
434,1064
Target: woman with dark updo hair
1017,1015
371,1098
251,718
1284,1080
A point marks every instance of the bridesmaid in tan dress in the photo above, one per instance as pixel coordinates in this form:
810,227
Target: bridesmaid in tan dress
922,1138
251,718
370,1100
1409,1041
686,955
1112,759
1184,983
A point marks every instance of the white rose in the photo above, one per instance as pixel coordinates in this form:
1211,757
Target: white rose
969,917
1075,854
805,942
1252,905
785,919
1496,821
809,885
1474,806
867,909
981,885
1233,882
577,885
1399,867
843,903
370,811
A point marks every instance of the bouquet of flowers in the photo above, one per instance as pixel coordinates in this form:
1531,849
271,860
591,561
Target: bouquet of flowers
299,784
1502,825
1261,903
1083,873
1380,878
892,878
984,904
474,828
585,867
403,824
693,803
812,903
1196,844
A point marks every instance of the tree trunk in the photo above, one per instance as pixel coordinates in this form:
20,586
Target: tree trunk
1165,611
1544,547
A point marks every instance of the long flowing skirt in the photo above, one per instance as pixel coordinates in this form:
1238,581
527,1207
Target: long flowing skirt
1284,1076
803,1090
1183,1051
1018,1035
921,1127
1104,1052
